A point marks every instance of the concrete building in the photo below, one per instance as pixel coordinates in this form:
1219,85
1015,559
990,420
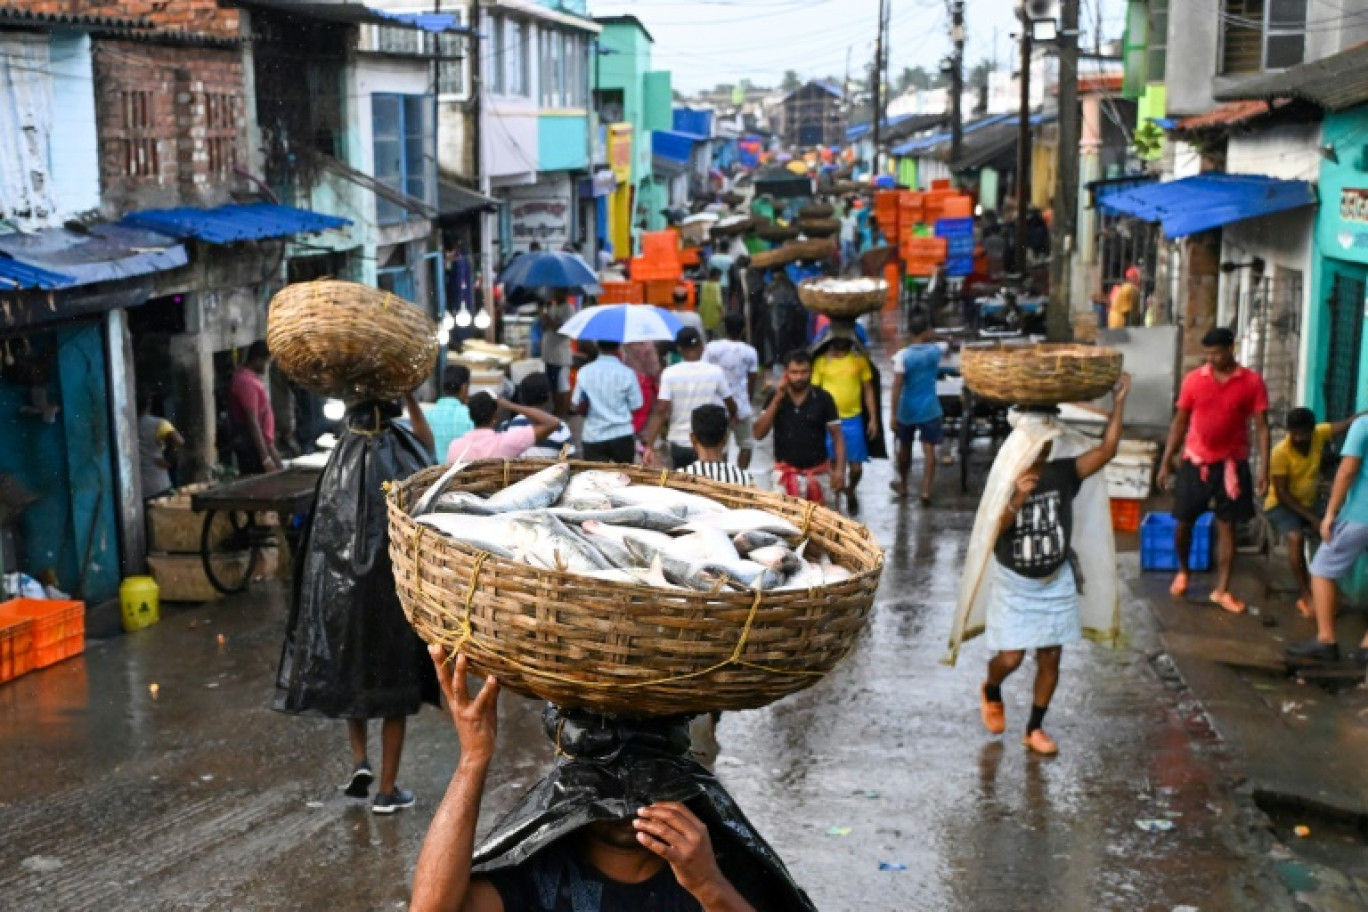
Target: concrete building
811,115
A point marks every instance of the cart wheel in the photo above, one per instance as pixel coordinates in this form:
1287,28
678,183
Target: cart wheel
223,564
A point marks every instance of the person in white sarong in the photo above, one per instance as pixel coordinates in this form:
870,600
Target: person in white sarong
1041,567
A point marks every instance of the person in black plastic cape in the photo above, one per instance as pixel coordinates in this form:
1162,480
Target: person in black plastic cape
624,821
349,651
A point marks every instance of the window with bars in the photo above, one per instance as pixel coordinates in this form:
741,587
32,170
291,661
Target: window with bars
1156,50
402,135
1346,301
451,79
495,64
139,155
1258,35
396,40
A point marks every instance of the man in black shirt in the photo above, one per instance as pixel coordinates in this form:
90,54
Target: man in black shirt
803,416
567,847
1034,602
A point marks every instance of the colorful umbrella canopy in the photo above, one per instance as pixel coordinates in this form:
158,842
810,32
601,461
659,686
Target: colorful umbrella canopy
623,323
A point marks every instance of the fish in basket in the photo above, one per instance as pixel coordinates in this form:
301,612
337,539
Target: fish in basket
839,298
630,591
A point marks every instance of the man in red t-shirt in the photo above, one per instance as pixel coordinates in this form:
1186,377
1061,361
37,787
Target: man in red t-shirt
249,410
1215,406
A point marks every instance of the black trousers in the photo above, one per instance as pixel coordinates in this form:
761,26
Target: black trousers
619,449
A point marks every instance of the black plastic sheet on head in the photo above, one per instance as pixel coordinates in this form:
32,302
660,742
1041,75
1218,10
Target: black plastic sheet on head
349,651
605,770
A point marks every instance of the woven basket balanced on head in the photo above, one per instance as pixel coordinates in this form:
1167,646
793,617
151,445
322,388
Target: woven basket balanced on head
623,648
1040,374
350,341
843,297
817,211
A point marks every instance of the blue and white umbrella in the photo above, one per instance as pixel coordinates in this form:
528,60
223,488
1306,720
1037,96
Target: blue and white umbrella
550,269
623,323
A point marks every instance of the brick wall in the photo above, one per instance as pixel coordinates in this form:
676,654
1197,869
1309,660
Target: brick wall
204,17
172,124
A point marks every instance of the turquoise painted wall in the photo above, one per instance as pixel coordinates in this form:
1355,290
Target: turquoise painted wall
624,68
1339,242
68,465
563,142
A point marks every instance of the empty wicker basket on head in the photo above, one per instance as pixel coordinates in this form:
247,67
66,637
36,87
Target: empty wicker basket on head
623,648
843,297
350,341
1040,375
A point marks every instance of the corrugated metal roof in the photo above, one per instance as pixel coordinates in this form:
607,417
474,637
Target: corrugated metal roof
10,15
1208,201
980,148
99,253
1336,82
21,276
230,224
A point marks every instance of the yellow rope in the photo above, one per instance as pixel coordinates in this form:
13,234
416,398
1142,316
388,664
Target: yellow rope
664,476
505,484
807,518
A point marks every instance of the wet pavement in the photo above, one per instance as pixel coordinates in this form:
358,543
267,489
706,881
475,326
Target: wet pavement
198,796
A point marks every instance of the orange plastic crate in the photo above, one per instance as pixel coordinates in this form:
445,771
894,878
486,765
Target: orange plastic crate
661,292
16,648
1125,514
622,293
58,627
644,270
925,248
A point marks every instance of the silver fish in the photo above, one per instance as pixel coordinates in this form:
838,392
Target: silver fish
618,576
426,501
593,484
834,573
548,540
615,552
779,558
746,542
489,533
657,496
652,518
464,502
534,492
734,522
704,545
620,534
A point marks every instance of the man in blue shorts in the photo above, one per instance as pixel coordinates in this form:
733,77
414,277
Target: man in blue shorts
916,408
1344,537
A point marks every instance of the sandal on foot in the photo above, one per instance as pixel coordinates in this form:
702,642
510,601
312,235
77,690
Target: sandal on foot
994,714
1040,743
1228,601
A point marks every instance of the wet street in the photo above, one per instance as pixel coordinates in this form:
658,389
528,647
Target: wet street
878,785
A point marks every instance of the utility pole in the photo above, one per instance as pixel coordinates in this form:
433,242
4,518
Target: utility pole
1023,176
877,114
1058,316
956,80
477,84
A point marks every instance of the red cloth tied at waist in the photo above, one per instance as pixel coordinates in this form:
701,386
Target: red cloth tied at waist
792,481
1230,469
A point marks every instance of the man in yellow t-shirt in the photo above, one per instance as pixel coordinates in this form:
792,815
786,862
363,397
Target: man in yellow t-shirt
1292,506
1125,300
849,377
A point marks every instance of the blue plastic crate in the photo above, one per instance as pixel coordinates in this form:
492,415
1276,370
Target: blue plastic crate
1156,543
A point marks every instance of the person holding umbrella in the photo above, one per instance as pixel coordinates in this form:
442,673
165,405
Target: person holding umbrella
607,391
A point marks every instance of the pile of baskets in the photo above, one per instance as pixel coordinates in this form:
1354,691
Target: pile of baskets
1040,375
819,227
817,211
843,298
350,341
623,648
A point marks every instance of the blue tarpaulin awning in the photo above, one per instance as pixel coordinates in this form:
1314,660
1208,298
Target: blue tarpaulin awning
100,253
230,224
674,147
1207,201
16,276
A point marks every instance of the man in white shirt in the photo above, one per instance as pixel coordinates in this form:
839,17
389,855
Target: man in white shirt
741,364
556,351
684,387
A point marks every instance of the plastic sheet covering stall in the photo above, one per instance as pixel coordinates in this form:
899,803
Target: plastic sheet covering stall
25,127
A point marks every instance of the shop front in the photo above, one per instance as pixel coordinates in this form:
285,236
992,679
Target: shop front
1335,380
542,213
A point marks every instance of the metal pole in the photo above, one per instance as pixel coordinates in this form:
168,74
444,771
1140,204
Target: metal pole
956,81
1058,317
478,155
1023,176
876,116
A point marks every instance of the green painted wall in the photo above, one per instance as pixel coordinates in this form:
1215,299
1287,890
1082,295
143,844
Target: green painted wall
623,67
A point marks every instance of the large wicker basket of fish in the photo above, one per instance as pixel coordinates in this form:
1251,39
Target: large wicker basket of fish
630,591
843,297
350,341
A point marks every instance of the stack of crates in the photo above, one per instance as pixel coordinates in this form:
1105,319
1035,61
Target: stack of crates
1156,543
36,633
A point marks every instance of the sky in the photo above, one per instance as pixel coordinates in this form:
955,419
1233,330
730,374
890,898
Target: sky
706,42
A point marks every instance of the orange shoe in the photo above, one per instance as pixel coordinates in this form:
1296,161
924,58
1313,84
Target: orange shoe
1041,743
1180,584
994,716
1228,601
1304,607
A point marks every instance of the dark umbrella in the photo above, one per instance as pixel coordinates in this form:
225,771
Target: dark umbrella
550,269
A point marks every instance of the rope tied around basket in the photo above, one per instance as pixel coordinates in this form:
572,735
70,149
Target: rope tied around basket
808,510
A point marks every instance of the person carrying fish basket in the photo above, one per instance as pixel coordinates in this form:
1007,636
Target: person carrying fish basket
349,652
623,563
1040,572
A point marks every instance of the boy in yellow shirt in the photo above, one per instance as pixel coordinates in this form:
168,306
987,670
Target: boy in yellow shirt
1292,505
849,377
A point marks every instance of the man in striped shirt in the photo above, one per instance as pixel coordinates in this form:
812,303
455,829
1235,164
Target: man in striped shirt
708,433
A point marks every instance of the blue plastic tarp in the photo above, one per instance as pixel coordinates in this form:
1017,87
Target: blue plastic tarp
428,22
1208,201
693,120
673,146
101,253
230,224
21,276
